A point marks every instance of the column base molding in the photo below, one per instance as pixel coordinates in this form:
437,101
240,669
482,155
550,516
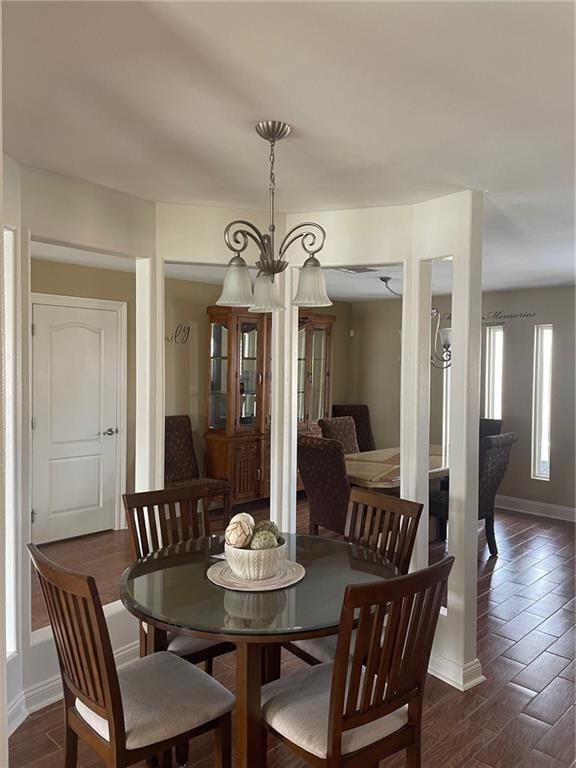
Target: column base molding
462,677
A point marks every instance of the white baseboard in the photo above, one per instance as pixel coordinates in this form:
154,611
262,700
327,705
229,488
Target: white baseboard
17,713
461,677
538,508
49,691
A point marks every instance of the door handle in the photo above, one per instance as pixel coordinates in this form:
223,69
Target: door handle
110,431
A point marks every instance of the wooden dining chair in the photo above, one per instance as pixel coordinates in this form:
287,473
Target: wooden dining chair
147,707
367,703
157,519
384,524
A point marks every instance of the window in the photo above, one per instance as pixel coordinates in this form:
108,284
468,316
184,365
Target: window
541,402
494,371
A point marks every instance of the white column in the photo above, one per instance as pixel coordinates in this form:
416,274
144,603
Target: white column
149,374
283,429
3,687
415,397
454,654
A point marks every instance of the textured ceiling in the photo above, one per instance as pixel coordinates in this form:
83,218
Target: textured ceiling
391,103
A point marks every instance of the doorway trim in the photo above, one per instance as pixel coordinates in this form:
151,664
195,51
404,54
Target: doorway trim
120,308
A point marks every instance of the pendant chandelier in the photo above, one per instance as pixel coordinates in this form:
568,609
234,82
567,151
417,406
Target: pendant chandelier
237,290
441,356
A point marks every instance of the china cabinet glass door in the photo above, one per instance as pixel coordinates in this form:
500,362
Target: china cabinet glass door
318,374
302,375
247,373
218,376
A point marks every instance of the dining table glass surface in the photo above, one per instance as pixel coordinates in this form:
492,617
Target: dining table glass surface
171,587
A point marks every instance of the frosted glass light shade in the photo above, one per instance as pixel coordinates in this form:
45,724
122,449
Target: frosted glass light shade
312,286
446,337
237,288
266,296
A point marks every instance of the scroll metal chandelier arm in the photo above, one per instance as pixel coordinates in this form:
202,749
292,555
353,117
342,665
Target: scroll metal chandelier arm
311,235
238,234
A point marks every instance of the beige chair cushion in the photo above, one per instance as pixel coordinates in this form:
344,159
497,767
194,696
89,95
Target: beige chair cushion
321,648
183,645
297,707
324,648
163,696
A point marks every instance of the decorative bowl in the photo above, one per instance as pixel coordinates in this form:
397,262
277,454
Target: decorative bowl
256,564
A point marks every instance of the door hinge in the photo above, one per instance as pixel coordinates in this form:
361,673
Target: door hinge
33,329
33,516
33,423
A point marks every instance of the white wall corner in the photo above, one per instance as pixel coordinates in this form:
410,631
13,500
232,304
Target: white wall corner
149,438
283,434
460,676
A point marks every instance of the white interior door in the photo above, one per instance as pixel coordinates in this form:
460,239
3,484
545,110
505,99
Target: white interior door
75,379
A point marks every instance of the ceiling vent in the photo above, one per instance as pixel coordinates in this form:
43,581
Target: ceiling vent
355,270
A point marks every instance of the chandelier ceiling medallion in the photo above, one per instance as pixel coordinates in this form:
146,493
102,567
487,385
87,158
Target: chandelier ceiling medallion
237,289
441,356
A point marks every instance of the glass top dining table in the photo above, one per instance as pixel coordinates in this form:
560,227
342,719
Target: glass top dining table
169,590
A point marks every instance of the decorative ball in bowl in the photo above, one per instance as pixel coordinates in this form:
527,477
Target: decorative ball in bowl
254,551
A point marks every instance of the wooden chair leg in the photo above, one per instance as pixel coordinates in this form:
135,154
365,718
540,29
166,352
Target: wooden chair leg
182,752
414,751
142,639
209,666
70,749
223,742
166,759
490,537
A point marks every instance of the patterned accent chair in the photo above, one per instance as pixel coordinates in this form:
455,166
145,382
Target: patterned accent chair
343,429
494,458
323,471
361,416
489,427
180,463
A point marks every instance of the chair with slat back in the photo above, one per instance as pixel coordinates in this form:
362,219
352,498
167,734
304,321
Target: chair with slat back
380,523
147,707
158,519
367,703
385,524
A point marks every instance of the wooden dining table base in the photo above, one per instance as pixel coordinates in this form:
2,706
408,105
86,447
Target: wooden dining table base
256,665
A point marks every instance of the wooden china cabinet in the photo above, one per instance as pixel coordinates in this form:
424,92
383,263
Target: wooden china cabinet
239,393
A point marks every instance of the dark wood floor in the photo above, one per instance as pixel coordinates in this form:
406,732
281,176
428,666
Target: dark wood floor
521,717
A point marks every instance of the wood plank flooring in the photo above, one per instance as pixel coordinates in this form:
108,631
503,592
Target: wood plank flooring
521,717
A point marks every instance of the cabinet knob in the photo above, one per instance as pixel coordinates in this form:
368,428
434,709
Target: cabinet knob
258,474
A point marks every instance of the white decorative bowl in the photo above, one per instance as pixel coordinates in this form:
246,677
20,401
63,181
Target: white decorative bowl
256,564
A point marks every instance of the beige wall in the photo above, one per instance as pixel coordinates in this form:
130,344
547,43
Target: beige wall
186,304
373,377
187,354
549,305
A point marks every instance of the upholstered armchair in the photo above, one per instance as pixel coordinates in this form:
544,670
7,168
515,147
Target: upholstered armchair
494,458
343,429
181,465
323,472
361,416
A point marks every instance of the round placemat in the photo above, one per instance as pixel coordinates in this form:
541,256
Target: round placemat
289,573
